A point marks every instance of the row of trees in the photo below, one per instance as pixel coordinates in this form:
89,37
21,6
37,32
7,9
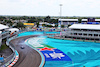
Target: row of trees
29,18
12,24
7,20
35,19
49,19
43,19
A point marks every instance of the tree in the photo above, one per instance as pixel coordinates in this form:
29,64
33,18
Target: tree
55,21
68,25
2,18
79,20
49,26
24,17
56,25
39,19
20,25
62,26
47,19
9,22
37,24
32,20
44,25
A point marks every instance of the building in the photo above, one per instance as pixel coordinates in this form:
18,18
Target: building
68,21
3,27
83,31
17,21
12,30
23,21
29,25
6,31
84,21
41,24
91,21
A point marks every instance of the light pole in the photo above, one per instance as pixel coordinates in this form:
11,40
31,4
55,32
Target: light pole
59,25
60,10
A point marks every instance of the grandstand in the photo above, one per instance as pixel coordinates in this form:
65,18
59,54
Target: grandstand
67,22
91,21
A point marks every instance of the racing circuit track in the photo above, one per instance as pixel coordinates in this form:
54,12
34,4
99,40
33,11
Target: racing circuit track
28,57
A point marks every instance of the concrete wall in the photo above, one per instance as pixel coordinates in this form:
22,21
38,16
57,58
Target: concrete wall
0,38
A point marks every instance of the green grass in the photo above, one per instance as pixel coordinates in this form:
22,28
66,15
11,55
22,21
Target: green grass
46,46
4,46
49,46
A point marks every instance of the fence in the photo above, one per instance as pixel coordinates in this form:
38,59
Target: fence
7,61
10,58
58,36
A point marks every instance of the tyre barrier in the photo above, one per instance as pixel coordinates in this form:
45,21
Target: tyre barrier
12,61
15,59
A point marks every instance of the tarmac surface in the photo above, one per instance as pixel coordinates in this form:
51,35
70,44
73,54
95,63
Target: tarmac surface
5,52
28,57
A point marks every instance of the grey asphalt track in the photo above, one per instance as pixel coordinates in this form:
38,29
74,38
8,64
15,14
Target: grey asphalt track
28,57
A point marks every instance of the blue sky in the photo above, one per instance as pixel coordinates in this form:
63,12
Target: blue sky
50,7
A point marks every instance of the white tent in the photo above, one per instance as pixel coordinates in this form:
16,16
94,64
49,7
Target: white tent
3,26
85,26
0,32
13,29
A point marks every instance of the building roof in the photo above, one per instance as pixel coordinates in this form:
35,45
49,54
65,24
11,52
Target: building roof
84,19
68,19
0,32
97,19
13,29
30,24
87,19
85,26
3,26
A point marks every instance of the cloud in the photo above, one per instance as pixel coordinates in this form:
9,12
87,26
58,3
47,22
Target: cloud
50,7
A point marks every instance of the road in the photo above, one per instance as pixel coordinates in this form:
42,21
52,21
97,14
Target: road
28,57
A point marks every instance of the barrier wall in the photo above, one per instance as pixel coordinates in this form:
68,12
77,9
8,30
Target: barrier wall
10,62
11,58
59,37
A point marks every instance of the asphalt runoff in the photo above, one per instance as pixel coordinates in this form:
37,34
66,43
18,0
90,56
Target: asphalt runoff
28,57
